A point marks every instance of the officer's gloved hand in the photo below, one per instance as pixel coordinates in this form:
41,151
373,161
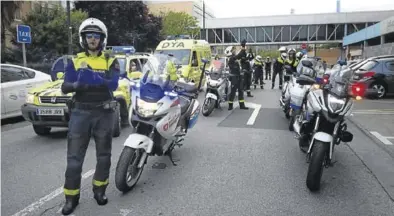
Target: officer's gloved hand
79,86
86,76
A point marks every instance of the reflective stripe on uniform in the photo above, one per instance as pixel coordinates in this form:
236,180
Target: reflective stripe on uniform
230,102
280,60
242,101
70,192
100,183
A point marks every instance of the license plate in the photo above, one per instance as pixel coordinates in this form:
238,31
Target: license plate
50,112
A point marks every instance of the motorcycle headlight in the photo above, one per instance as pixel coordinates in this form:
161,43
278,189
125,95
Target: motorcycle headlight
146,109
30,99
335,104
213,83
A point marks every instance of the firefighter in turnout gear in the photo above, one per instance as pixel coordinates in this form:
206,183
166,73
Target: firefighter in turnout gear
278,67
258,72
292,60
247,71
93,76
235,75
267,67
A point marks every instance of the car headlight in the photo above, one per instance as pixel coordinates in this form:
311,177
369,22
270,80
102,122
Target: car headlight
146,109
335,104
30,99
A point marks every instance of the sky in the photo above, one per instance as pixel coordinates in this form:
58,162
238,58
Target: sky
246,8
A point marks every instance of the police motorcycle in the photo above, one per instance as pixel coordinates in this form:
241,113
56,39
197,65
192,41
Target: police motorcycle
323,124
163,111
288,83
307,77
217,87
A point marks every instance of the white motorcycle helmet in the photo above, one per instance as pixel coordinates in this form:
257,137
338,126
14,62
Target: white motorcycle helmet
282,49
299,55
96,26
291,50
259,58
229,51
283,55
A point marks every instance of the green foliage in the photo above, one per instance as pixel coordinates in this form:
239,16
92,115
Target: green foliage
179,23
128,22
49,33
271,53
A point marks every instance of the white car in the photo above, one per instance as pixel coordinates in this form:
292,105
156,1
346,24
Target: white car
16,82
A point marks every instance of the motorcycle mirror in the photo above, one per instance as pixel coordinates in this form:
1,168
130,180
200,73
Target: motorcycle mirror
204,60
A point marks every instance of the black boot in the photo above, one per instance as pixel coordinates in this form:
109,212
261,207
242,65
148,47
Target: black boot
99,195
262,87
249,94
242,106
230,106
272,87
70,205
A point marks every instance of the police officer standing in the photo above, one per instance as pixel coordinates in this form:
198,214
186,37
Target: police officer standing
292,60
258,72
278,67
93,77
247,70
267,67
235,75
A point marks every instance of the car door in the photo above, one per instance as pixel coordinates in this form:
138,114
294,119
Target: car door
388,70
14,84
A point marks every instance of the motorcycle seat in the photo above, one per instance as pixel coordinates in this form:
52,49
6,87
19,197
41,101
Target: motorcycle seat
189,88
184,102
305,80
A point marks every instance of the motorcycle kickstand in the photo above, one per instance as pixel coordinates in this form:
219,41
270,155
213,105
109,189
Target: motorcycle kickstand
169,154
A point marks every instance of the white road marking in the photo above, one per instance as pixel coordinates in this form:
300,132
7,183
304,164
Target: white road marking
389,137
36,205
125,212
381,138
255,113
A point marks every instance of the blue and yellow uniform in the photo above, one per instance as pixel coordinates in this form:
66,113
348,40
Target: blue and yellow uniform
293,64
93,79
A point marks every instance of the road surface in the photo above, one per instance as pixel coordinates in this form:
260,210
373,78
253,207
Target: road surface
227,167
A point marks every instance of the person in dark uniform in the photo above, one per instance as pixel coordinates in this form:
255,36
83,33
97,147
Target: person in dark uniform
93,76
258,72
236,75
292,60
267,67
247,70
278,67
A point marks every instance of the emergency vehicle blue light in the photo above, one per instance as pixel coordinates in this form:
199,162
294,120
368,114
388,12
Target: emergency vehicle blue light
123,49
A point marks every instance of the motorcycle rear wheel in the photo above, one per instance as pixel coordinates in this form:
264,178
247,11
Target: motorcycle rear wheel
208,106
127,172
316,165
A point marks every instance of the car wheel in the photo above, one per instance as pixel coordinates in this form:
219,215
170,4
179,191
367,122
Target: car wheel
380,87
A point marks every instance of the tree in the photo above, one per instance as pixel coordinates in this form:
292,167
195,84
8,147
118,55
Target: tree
178,23
49,33
128,22
8,9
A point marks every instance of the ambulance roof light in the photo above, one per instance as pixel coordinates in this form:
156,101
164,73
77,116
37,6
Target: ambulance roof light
177,37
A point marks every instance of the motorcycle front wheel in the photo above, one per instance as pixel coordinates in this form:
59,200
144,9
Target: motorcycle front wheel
316,165
127,172
208,106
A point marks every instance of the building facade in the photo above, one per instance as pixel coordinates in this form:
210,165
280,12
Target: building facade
289,29
193,8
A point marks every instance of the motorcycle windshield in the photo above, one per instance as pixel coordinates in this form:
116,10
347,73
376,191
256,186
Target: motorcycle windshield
340,82
155,79
217,69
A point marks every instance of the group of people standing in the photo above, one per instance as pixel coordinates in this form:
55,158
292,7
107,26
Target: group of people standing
241,70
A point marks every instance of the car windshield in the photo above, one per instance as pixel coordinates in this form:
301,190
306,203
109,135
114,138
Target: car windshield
182,56
156,70
368,65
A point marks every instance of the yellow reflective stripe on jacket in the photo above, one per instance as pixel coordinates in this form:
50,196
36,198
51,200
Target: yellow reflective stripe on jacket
280,60
257,63
70,192
100,183
97,63
291,61
242,101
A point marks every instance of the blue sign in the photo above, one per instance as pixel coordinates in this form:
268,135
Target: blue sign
23,34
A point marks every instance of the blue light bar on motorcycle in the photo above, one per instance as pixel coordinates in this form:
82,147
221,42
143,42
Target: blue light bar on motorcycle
123,49
171,94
